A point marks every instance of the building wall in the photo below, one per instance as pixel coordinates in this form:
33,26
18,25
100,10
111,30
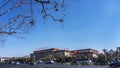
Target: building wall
50,53
85,53
67,54
47,53
55,52
3,59
62,53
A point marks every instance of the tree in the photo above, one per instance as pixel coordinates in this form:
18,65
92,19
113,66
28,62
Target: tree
18,16
118,51
111,54
105,53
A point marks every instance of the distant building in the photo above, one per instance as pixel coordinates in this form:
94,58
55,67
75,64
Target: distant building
51,53
3,59
85,53
54,53
31,55
46,53
62,53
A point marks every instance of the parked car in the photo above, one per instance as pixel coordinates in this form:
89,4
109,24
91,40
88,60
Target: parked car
13,62
49,62
17,63
32,63
40,62
84,61
101,62
115,64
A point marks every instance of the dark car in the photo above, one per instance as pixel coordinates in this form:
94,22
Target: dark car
49,62
101,62
115,64
32,63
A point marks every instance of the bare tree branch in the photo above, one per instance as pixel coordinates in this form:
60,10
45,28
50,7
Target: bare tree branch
19,17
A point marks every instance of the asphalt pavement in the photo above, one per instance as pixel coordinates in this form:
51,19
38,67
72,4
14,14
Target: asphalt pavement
47,66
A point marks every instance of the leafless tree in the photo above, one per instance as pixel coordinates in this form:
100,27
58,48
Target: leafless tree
18,16
105,53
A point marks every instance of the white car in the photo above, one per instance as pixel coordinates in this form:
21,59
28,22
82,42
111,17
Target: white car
12,62
17,63
84,62
39,62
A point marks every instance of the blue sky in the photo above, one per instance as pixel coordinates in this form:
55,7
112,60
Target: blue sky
88,24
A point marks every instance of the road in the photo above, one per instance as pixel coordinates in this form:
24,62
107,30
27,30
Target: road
47,66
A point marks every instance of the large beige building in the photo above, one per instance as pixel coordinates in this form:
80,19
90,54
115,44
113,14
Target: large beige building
54,53
51,53
62,53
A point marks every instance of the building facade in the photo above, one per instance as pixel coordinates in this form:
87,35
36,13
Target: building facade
85,53
51,54
41,54
54,53
62,53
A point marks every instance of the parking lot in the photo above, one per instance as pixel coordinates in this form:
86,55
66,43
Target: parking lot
47,66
